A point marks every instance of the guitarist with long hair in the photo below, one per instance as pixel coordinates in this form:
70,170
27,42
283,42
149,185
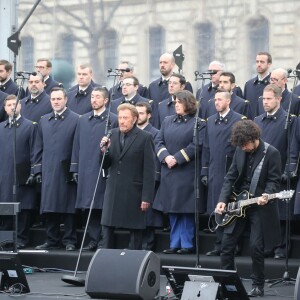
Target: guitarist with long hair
256,168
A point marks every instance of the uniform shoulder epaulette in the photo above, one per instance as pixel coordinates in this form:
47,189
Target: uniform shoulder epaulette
244,118
246,101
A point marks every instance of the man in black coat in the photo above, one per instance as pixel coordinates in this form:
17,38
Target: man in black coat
256,168
130,157
6,84
37,103
53,150
255,86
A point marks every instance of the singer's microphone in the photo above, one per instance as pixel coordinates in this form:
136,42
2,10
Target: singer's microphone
109,70
124,70
20,73
105,143
210,72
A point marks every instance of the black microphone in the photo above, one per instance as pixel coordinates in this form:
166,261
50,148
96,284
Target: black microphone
105,143
124,70
210,72
20,73
289,72
109,70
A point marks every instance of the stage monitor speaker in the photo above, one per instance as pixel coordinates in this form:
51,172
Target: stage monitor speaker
123,274
297,286
194,290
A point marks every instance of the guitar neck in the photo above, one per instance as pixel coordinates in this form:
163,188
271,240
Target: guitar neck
254,200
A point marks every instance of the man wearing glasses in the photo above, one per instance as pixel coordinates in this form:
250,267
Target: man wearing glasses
44,66
130,93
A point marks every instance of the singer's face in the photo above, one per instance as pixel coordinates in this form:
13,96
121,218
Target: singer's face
58,101
126,120
215,77
4,75
84,77
143,116
9,107
270,103
35,85
221,102
174,85
224,83
166,64
97,100
41,66
262,64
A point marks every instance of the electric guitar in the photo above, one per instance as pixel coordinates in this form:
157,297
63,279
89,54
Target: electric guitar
237,207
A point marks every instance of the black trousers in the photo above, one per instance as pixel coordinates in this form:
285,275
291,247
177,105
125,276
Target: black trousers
135,243
230,240
94,229
53,221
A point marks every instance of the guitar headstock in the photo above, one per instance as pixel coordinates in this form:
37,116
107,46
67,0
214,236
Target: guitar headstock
285,194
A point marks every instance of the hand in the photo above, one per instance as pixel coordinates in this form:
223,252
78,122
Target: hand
263,200
204,180
220,208
104,144
170,161
284,177
75,177
38,178
30,180
145,205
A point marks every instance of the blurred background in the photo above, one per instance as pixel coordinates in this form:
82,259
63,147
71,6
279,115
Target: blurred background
105,32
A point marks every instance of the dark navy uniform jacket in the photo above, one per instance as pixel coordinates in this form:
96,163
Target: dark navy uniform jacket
117,91
154,217
53,150
217,154
209,92
253,90
158,91
136,99
25,136
80,101
3,115
294,163
176,190
11,87
85,157
34,109
165,108
297,90
237,104
285,101
273,132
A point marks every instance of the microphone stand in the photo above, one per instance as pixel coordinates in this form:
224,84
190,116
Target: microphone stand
286,279
74,280
198,76
14,124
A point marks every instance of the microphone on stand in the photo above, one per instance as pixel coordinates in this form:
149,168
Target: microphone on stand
20,73
105,143
210,72
124,70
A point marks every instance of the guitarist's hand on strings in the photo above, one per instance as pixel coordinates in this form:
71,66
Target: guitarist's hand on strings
220,208
263,200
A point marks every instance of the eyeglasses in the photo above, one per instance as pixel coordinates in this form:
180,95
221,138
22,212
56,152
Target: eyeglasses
275,79
39,67
126,84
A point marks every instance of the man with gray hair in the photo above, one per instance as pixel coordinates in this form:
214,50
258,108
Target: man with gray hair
37,103
279,77
209,90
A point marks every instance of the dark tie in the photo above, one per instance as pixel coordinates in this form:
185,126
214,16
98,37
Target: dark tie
122,140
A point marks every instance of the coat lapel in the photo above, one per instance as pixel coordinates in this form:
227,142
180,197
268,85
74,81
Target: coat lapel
129,140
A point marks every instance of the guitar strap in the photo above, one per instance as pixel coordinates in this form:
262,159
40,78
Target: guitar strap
257,172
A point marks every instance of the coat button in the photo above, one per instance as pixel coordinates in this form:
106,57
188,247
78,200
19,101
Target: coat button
118,172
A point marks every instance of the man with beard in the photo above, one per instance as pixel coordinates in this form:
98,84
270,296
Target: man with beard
6,84
37,103
85,166
255,86
158,89
153,217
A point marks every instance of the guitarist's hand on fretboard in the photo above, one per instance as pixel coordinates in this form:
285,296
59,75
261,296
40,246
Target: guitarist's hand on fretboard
263,200
220,208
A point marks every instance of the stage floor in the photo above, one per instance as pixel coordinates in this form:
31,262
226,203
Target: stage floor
46,286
